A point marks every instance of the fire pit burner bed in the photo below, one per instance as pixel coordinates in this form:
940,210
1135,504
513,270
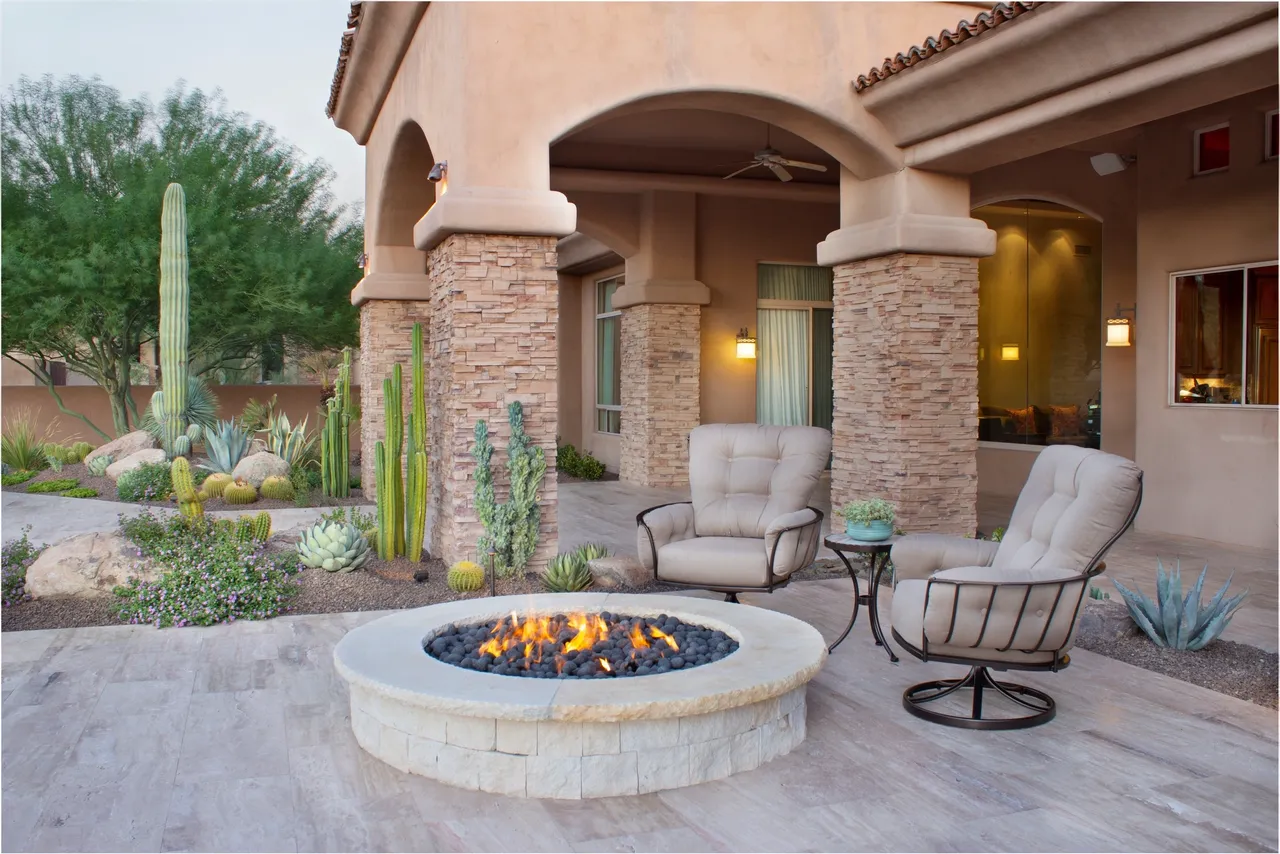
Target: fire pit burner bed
580,646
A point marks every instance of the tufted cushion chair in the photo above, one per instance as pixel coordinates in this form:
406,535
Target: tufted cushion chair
1013,604
748,526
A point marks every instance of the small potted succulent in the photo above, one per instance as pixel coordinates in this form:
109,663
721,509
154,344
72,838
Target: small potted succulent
868,521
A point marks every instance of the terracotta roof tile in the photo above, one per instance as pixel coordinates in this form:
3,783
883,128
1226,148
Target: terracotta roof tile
986,21
344,54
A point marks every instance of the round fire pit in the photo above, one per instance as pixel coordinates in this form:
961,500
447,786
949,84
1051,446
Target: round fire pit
556,735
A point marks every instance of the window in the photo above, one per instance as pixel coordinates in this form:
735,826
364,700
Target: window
1212,149
1224,336
1040,326
1270,130
608,358
794,334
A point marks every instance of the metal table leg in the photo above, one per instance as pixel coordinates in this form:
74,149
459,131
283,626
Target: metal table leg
873,603
857,600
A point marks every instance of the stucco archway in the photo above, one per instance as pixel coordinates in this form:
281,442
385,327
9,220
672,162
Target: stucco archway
404,198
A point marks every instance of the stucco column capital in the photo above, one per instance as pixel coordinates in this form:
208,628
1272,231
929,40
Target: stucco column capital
495,210
397,286
914,233
662,292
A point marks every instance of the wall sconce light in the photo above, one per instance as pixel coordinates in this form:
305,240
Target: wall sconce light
1119,327
1010,353
746,344
438,172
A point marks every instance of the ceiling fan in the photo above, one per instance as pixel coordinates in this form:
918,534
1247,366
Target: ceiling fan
772,159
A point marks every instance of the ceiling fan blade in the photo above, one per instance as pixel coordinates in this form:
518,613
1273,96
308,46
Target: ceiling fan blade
783,174
800,164
740,171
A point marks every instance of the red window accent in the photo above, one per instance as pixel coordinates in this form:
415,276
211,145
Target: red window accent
1213,149
1271,141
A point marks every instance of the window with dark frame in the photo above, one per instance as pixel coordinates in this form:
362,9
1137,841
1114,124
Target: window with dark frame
1212,149
1225,348
1272,133
608,358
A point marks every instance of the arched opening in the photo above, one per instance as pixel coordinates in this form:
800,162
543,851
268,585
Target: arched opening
1040,326
405,198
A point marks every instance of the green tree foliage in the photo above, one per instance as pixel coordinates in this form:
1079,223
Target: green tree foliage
84,173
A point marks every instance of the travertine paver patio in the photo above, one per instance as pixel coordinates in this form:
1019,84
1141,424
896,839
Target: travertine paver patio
236,738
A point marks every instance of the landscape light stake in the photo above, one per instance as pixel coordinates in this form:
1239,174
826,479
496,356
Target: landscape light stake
493,571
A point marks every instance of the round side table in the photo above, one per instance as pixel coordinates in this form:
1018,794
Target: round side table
844,545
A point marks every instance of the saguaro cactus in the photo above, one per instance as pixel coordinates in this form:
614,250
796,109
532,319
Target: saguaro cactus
416,471
335,440
174,299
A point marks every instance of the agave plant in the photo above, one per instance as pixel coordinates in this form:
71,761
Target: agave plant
227,444
567,573
289,443
333,547
1178,623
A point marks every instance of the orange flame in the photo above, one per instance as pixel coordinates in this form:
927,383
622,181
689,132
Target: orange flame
604,662
541,637
638,640
661,635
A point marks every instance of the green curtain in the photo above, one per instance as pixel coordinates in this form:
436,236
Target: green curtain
823,390
794,282
782,359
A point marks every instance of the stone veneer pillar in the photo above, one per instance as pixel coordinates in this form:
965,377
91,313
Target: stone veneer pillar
661,363
492,340
906,388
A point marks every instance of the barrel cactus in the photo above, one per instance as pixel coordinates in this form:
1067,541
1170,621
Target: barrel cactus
79,451
466,576
216,483
279,488
334,547
239,492
567,573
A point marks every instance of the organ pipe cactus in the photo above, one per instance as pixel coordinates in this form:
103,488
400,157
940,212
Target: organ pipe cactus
510,528
386,458
1175,622
416,470
335,437
174,298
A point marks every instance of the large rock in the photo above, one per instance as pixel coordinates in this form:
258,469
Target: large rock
129,443
256,468
87,565
134,460
612,573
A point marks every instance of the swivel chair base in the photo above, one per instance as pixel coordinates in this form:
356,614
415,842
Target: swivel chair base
1042,707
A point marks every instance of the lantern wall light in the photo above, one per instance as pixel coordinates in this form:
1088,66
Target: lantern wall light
746,344
1010,353
1120,328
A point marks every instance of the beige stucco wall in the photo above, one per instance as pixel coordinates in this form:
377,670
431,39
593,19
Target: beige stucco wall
1209,472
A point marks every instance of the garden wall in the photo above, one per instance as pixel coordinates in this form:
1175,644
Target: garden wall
297,401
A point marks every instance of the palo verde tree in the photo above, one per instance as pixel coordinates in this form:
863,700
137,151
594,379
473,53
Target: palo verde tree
272,258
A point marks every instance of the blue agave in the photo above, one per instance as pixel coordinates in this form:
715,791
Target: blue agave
1178,623
227,444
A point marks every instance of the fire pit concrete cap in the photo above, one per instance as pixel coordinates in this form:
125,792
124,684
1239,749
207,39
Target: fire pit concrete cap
777,653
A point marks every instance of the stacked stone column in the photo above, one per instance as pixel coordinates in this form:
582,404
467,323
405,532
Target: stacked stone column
386,339
661,392
492,340
906,388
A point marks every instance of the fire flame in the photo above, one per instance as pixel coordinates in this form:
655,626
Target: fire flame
538,638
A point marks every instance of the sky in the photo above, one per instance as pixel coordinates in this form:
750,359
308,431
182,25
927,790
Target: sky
272,59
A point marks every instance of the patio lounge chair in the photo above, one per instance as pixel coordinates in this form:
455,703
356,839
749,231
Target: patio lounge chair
748,526
1012,605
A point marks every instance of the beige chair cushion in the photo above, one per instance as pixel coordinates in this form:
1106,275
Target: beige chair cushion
921,555
1043,628
743,476
667,524
1074,502
715,561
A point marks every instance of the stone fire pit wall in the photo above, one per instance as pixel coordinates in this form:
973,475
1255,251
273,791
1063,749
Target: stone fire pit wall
579,738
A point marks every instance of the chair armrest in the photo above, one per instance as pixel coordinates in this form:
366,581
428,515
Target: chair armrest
657,526
921,555
980,607
791,541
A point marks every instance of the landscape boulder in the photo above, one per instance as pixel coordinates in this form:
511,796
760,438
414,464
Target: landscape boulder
129,443
134,460
256,468
612,573
87,565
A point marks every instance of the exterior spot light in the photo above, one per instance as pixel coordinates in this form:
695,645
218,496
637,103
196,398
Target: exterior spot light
1111,163
438,172
746,344
362,260
1120,328
1009,353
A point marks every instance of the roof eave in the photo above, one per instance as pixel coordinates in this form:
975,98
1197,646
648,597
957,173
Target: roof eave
368,60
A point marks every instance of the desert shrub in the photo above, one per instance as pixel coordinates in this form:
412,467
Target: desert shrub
58,485
366,522
17,477
15,557
22,445
148,482
209,577
577,463
80,492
